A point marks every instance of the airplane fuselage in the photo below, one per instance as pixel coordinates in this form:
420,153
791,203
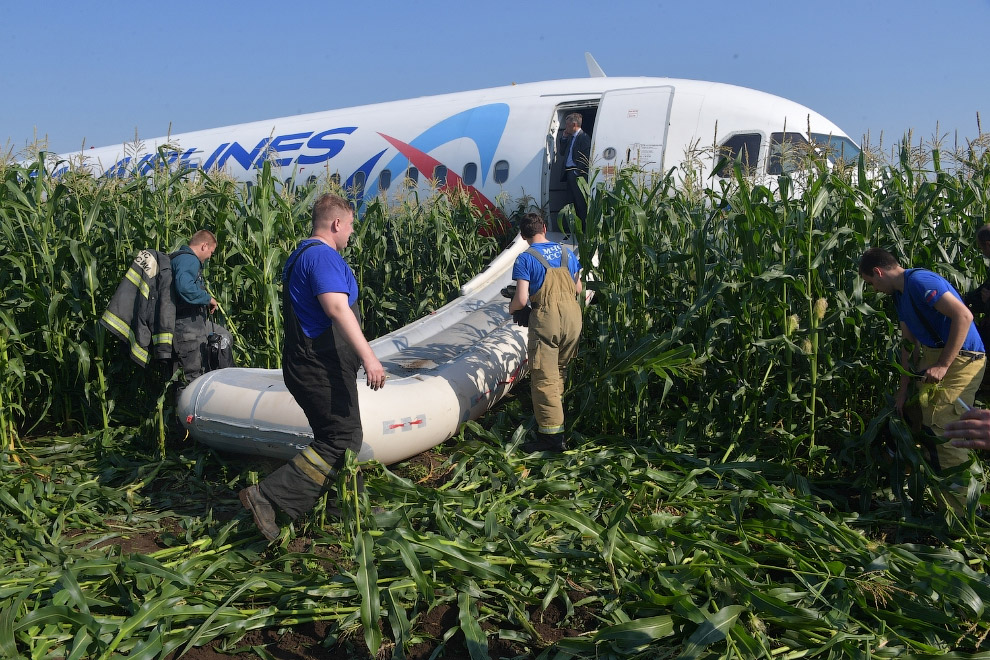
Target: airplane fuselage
495,142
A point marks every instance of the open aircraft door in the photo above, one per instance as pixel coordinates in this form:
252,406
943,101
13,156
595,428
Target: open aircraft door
631,129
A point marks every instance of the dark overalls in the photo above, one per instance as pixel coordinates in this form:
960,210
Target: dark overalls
321,374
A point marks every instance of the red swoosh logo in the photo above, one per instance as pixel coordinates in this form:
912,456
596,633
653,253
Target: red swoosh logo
426,163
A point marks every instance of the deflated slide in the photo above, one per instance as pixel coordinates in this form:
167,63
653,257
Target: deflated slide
443,370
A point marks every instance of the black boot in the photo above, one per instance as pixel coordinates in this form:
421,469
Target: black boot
554,442
262,510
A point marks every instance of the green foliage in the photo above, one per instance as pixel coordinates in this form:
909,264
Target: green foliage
647,552
412,259
68,243
728,492
790,355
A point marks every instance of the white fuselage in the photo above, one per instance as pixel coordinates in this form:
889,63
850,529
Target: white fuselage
498,141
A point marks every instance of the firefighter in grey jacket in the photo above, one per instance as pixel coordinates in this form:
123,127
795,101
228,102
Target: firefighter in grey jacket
193,304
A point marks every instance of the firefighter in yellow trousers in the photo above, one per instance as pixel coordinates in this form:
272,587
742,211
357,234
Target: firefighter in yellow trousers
548,282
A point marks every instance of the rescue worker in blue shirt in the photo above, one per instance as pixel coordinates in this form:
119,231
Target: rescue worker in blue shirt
548,282
193,304
946,349
324,347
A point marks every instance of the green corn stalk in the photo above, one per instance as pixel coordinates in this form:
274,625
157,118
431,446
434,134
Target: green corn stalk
7,433
678,515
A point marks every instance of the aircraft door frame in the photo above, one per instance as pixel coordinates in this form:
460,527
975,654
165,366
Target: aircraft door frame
549,155
554,191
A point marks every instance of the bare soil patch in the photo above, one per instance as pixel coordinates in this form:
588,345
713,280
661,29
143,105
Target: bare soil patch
306,641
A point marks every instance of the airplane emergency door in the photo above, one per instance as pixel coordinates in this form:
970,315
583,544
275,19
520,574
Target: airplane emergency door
631,129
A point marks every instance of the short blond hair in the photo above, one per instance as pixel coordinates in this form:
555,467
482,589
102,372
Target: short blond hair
203,236
328,208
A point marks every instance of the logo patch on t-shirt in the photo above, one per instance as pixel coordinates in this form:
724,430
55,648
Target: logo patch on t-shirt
931,295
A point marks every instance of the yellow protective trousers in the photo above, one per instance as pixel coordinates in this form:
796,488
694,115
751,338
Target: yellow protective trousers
939,404
554,330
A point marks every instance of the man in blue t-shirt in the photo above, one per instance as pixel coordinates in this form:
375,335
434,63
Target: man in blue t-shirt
547,281
946,347
324,347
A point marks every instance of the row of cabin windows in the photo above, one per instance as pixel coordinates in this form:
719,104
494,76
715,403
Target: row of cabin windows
785,153
468,175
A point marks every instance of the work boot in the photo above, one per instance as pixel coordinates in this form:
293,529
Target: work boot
531,444
554,442
262,510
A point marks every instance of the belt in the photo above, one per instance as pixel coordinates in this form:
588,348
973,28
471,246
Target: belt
191,314
969,355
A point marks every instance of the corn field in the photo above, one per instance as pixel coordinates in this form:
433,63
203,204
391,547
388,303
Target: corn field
728,493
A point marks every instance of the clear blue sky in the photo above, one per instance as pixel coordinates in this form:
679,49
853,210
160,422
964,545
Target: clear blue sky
99,70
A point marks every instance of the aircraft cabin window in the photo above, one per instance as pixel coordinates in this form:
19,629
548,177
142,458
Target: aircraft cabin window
786,152
311,179
501,173
412,176
837,148
385,179
440,174
335,178
470,173
745,146
357,186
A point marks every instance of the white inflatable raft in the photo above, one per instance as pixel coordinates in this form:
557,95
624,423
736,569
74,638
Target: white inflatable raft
443,370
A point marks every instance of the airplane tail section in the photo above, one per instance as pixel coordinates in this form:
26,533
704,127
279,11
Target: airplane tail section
594,71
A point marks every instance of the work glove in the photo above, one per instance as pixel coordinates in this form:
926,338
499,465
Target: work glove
521,316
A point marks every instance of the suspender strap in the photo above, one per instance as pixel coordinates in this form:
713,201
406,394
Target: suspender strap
288,270
543,260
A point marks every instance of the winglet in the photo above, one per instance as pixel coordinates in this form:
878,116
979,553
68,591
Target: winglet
594,70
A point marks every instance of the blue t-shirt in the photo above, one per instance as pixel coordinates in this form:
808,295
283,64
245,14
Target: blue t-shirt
925,288
320,269
528,267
